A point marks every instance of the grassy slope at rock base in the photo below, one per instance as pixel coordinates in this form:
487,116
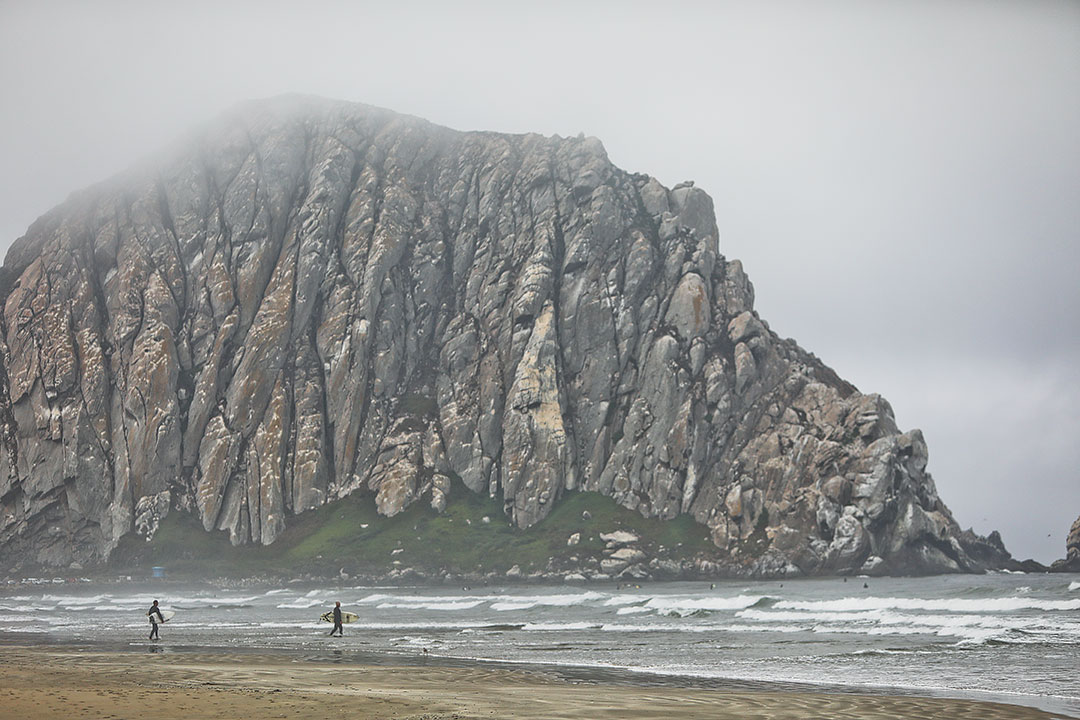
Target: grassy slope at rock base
350,535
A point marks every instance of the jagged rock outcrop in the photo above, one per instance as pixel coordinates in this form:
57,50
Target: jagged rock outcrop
1072,544
1071,561
308,299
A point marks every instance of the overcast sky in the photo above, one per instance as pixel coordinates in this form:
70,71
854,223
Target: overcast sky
901,179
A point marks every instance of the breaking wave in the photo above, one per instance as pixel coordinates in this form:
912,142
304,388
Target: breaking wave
302,604
445,605
983,605
684,606
556,627
500,603
76,600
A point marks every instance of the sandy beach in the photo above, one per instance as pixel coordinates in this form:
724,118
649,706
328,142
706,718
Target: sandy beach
51,682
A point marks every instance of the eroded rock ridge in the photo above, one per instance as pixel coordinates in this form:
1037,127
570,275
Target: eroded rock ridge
1071,561
309,299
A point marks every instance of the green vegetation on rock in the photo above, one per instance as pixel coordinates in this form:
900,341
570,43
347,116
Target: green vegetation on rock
472,535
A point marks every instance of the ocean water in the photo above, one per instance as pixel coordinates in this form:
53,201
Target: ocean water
1005,637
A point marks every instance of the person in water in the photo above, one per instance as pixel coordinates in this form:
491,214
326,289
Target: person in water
155,616
338,628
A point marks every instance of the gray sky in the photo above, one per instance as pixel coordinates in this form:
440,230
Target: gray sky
900,178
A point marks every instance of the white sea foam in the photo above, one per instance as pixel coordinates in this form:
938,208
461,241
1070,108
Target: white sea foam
808,617
658,627
505,606
461,626
386,597
557,627
26,608
625,599
701,629
886,617
632,610
414,598
682,605
214,601
448,606
416,641
33,629
18,618
188,601
1006,604
989,622
977,635
498,602
117,608
280,591
525,602
302,604
76,600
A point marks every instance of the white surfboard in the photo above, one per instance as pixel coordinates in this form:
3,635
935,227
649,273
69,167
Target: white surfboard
167,614
346,617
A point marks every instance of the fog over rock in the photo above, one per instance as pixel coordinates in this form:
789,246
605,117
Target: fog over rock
308,299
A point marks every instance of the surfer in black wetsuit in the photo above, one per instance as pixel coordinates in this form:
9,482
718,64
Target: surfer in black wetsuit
155,616
337,621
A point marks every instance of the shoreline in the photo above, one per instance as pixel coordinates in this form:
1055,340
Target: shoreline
36,681
576,635
427,577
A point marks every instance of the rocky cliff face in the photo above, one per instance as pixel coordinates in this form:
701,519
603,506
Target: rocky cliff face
1072,544
309,299
1071,561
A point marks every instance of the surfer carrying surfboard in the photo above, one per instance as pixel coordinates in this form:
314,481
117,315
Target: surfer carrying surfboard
155,615
338,627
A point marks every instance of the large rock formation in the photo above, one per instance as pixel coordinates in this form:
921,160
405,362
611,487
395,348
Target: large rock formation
1071,561
309,299
1072,543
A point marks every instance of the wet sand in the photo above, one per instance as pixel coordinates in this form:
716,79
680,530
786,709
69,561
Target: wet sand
62,682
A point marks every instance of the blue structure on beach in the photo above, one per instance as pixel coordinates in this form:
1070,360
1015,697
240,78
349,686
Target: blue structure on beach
157,571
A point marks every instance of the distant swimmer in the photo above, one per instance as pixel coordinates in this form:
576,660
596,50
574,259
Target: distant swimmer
155,617
338,628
